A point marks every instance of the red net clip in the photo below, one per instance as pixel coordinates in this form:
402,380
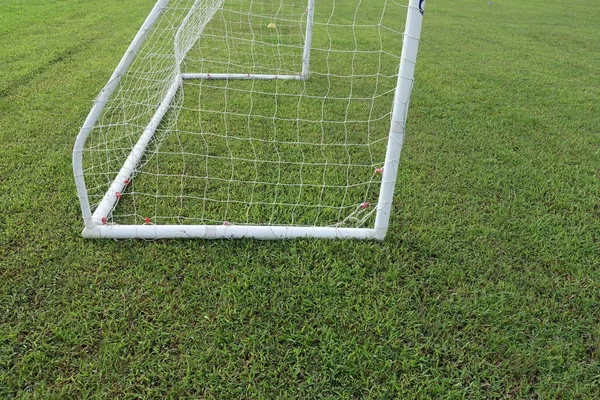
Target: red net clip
379,170
118,195
147,221
104,220
364,205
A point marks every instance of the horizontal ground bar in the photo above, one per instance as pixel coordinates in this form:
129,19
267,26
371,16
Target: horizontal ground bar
227,232
241,76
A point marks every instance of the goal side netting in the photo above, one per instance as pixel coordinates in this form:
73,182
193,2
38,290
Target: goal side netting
252,118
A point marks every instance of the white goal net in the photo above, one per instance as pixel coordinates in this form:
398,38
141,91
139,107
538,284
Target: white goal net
249,118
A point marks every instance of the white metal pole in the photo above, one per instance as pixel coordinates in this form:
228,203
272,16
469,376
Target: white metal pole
212,8
192,75
110,197
99,104
178,56
410,46
310,16
224,232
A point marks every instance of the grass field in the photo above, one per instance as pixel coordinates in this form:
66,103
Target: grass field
487,286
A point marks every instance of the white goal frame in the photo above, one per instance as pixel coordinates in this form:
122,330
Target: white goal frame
95,222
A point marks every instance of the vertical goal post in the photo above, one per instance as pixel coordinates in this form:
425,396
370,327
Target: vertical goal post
231,176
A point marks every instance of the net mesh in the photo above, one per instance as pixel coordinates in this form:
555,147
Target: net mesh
277,151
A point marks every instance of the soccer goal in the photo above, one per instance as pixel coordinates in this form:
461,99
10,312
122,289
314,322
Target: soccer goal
267,119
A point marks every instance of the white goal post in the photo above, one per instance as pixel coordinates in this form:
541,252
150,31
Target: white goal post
267,119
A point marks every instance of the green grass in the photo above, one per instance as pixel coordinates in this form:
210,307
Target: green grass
487,285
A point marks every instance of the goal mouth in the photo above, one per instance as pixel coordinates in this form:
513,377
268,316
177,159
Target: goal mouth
267,119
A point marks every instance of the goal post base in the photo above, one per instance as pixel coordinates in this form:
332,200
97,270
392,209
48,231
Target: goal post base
227,232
